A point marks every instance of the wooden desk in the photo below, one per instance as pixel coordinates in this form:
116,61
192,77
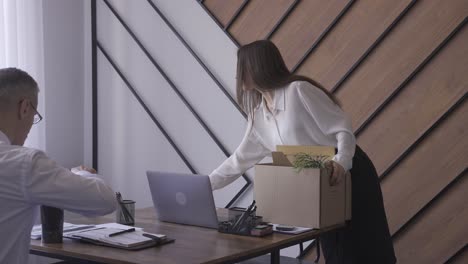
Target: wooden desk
192,245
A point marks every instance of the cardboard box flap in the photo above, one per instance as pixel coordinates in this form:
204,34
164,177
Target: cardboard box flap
311,150
279,159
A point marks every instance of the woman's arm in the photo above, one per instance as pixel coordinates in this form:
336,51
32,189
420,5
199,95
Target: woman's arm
331,120
250,151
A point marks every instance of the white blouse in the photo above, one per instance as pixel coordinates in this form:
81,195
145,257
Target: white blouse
302,114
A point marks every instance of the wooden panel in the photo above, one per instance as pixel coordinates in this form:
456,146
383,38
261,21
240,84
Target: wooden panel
223,10
424,173
439,232
419,105
349,40
304,26
257,19
461,257
427,25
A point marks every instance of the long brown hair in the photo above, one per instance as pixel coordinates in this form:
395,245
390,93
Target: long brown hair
262,62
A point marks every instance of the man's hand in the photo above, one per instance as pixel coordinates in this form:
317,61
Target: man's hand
83,168
337,172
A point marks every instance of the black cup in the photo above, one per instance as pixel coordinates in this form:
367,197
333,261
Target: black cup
52,224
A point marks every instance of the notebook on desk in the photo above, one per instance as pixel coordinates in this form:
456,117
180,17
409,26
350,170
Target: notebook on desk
36,232
114,237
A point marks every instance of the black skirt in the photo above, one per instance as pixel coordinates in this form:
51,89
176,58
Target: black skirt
366,238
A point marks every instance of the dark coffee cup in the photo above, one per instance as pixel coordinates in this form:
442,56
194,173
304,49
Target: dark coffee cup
52,224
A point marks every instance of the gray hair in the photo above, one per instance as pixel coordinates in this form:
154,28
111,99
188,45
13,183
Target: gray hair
14,84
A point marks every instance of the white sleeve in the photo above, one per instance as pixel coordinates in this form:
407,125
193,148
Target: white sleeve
331,120
250,152
52,185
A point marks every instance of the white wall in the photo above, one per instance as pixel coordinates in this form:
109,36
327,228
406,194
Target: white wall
129,142
63,22
64,34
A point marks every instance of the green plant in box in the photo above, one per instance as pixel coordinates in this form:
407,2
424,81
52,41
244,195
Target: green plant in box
304,161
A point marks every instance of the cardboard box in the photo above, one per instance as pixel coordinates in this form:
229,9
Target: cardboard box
305,198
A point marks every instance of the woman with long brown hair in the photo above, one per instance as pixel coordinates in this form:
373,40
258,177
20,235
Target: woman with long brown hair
288,109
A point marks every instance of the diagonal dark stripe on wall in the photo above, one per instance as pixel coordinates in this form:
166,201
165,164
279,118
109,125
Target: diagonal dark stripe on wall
179,94
426,207
282,19
94,84
219,24
238,195
147,110
413,146
458,254
234,17
187,46
323,35
372,47
410,77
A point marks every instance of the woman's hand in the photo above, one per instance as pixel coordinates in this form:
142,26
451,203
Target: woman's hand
83,168
337,172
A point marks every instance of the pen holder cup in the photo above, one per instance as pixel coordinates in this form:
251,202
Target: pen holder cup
52,224
235,212
125,213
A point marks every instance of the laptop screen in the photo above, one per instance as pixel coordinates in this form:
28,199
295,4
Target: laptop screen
183,198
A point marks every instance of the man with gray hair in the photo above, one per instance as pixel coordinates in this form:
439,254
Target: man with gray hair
29,178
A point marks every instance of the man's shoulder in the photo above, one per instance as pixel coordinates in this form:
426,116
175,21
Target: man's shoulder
19,152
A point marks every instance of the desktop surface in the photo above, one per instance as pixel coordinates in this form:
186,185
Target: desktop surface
193,244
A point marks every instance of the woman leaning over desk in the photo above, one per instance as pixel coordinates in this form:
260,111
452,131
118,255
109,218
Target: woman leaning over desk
287,109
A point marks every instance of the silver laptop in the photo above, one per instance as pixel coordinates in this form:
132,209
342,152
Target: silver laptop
183,198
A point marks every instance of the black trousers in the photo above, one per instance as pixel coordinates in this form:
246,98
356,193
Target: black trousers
366,238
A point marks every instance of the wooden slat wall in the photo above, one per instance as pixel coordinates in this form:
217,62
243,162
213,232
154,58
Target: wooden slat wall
306,22
258,18
461,257
357,31
399,69
445,219
223,10
421,31
419,104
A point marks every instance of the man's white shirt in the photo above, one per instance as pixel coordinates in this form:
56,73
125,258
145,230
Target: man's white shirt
29,178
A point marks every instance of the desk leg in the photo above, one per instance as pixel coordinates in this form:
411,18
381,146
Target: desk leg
275,257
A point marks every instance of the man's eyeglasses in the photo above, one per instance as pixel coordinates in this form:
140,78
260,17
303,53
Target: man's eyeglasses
37,116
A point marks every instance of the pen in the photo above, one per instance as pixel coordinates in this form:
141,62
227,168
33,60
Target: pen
122,232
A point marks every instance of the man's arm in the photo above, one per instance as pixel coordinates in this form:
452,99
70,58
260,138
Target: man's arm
47,183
